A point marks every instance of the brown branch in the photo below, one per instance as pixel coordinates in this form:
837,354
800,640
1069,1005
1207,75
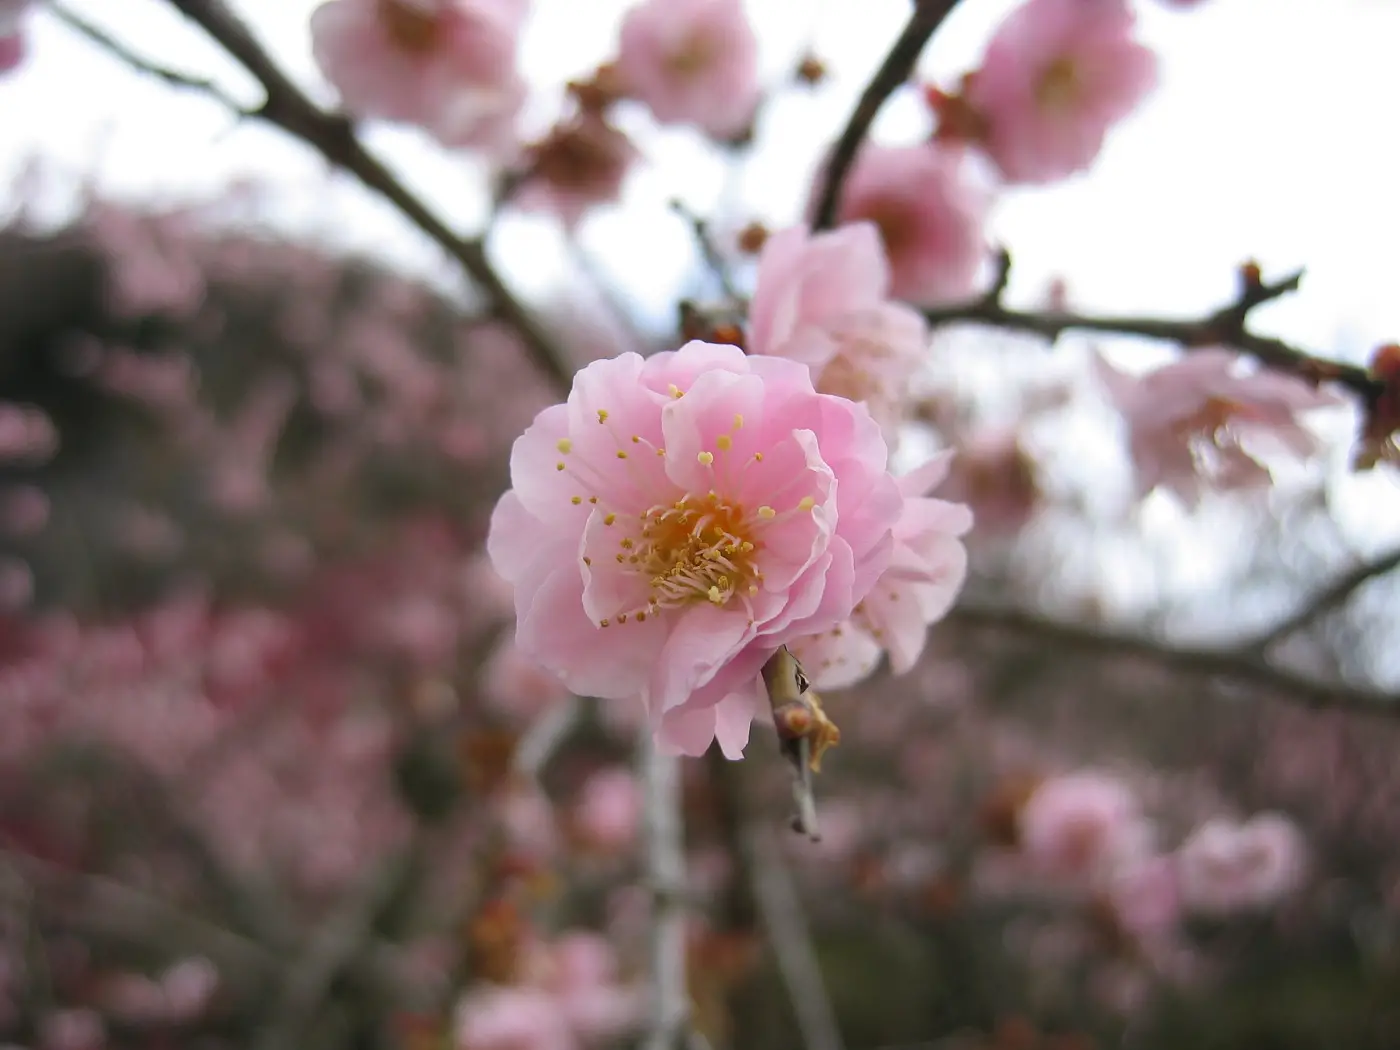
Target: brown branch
334,138
1227,326
1330,598
1238,663
894,71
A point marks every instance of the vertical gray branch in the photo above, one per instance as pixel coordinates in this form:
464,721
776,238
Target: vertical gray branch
669,1000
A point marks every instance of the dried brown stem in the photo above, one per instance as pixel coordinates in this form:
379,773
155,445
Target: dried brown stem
893,72
334,138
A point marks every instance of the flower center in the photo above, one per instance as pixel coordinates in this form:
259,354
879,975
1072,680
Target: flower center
582,154
1059,86
696,53
413,26
697,548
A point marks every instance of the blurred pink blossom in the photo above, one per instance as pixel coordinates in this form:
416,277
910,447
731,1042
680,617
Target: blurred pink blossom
1056,76
515,684
1145,896
1226,867
502,1018
12,45
580,164
1080,826
27,435
930,213
608,809
824,300
24,510
74,1029
925,575
447,66
1188,421
679,519
691,62
582,975
995,475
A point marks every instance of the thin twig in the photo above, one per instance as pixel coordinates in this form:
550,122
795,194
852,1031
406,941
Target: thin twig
141,64
1235,663
544,737
709,251
1331,597
334,138
894,71
669,1001
792,945
1226,326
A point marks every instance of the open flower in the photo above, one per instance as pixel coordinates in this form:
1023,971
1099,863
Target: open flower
1225,867
691,62
927,570
1187,420
1056,76
447,66
930,214
824,300
680,519
1081,827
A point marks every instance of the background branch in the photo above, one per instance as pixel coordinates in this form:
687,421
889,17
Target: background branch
894,71
334,138
1331,597
1241,664
669,999
1227,326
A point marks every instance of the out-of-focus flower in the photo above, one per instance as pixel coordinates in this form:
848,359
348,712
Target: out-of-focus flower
608,810
447,66
1056,76
27,435
515,684
11,33
930,213
1187,420
582,974
505,1018
691,62
1080,826
995,475
680,519
925,574
581,163
824,300
1225,867
1145,898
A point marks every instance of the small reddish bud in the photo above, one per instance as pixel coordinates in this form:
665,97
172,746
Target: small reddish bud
599,91
728,333
956,120
752,238
1000,817
811,70
1251,276
793,720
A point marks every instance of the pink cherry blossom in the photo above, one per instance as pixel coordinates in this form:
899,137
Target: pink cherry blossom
582,974
1056,76
447,66
515,684
691,62
1189,422
1080,826
930,213
998,479
581,163
609,809
926,572
680,519
1145,895
499,1018
826,298
11,33
1226,867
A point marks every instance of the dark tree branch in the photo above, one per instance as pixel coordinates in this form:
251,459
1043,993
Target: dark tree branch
334,138
1243,665
894,71
1227,326
1330,598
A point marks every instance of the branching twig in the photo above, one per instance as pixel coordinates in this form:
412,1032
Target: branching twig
334,138
1226,326
1331,597
709,251
1240,664
124,54
898,65
669,1001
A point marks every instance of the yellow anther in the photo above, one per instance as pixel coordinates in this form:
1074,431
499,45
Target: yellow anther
767,513
807,503
723,442
564,445
576,500
608,519
621,454
738,421
602,415
559,466
705,458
